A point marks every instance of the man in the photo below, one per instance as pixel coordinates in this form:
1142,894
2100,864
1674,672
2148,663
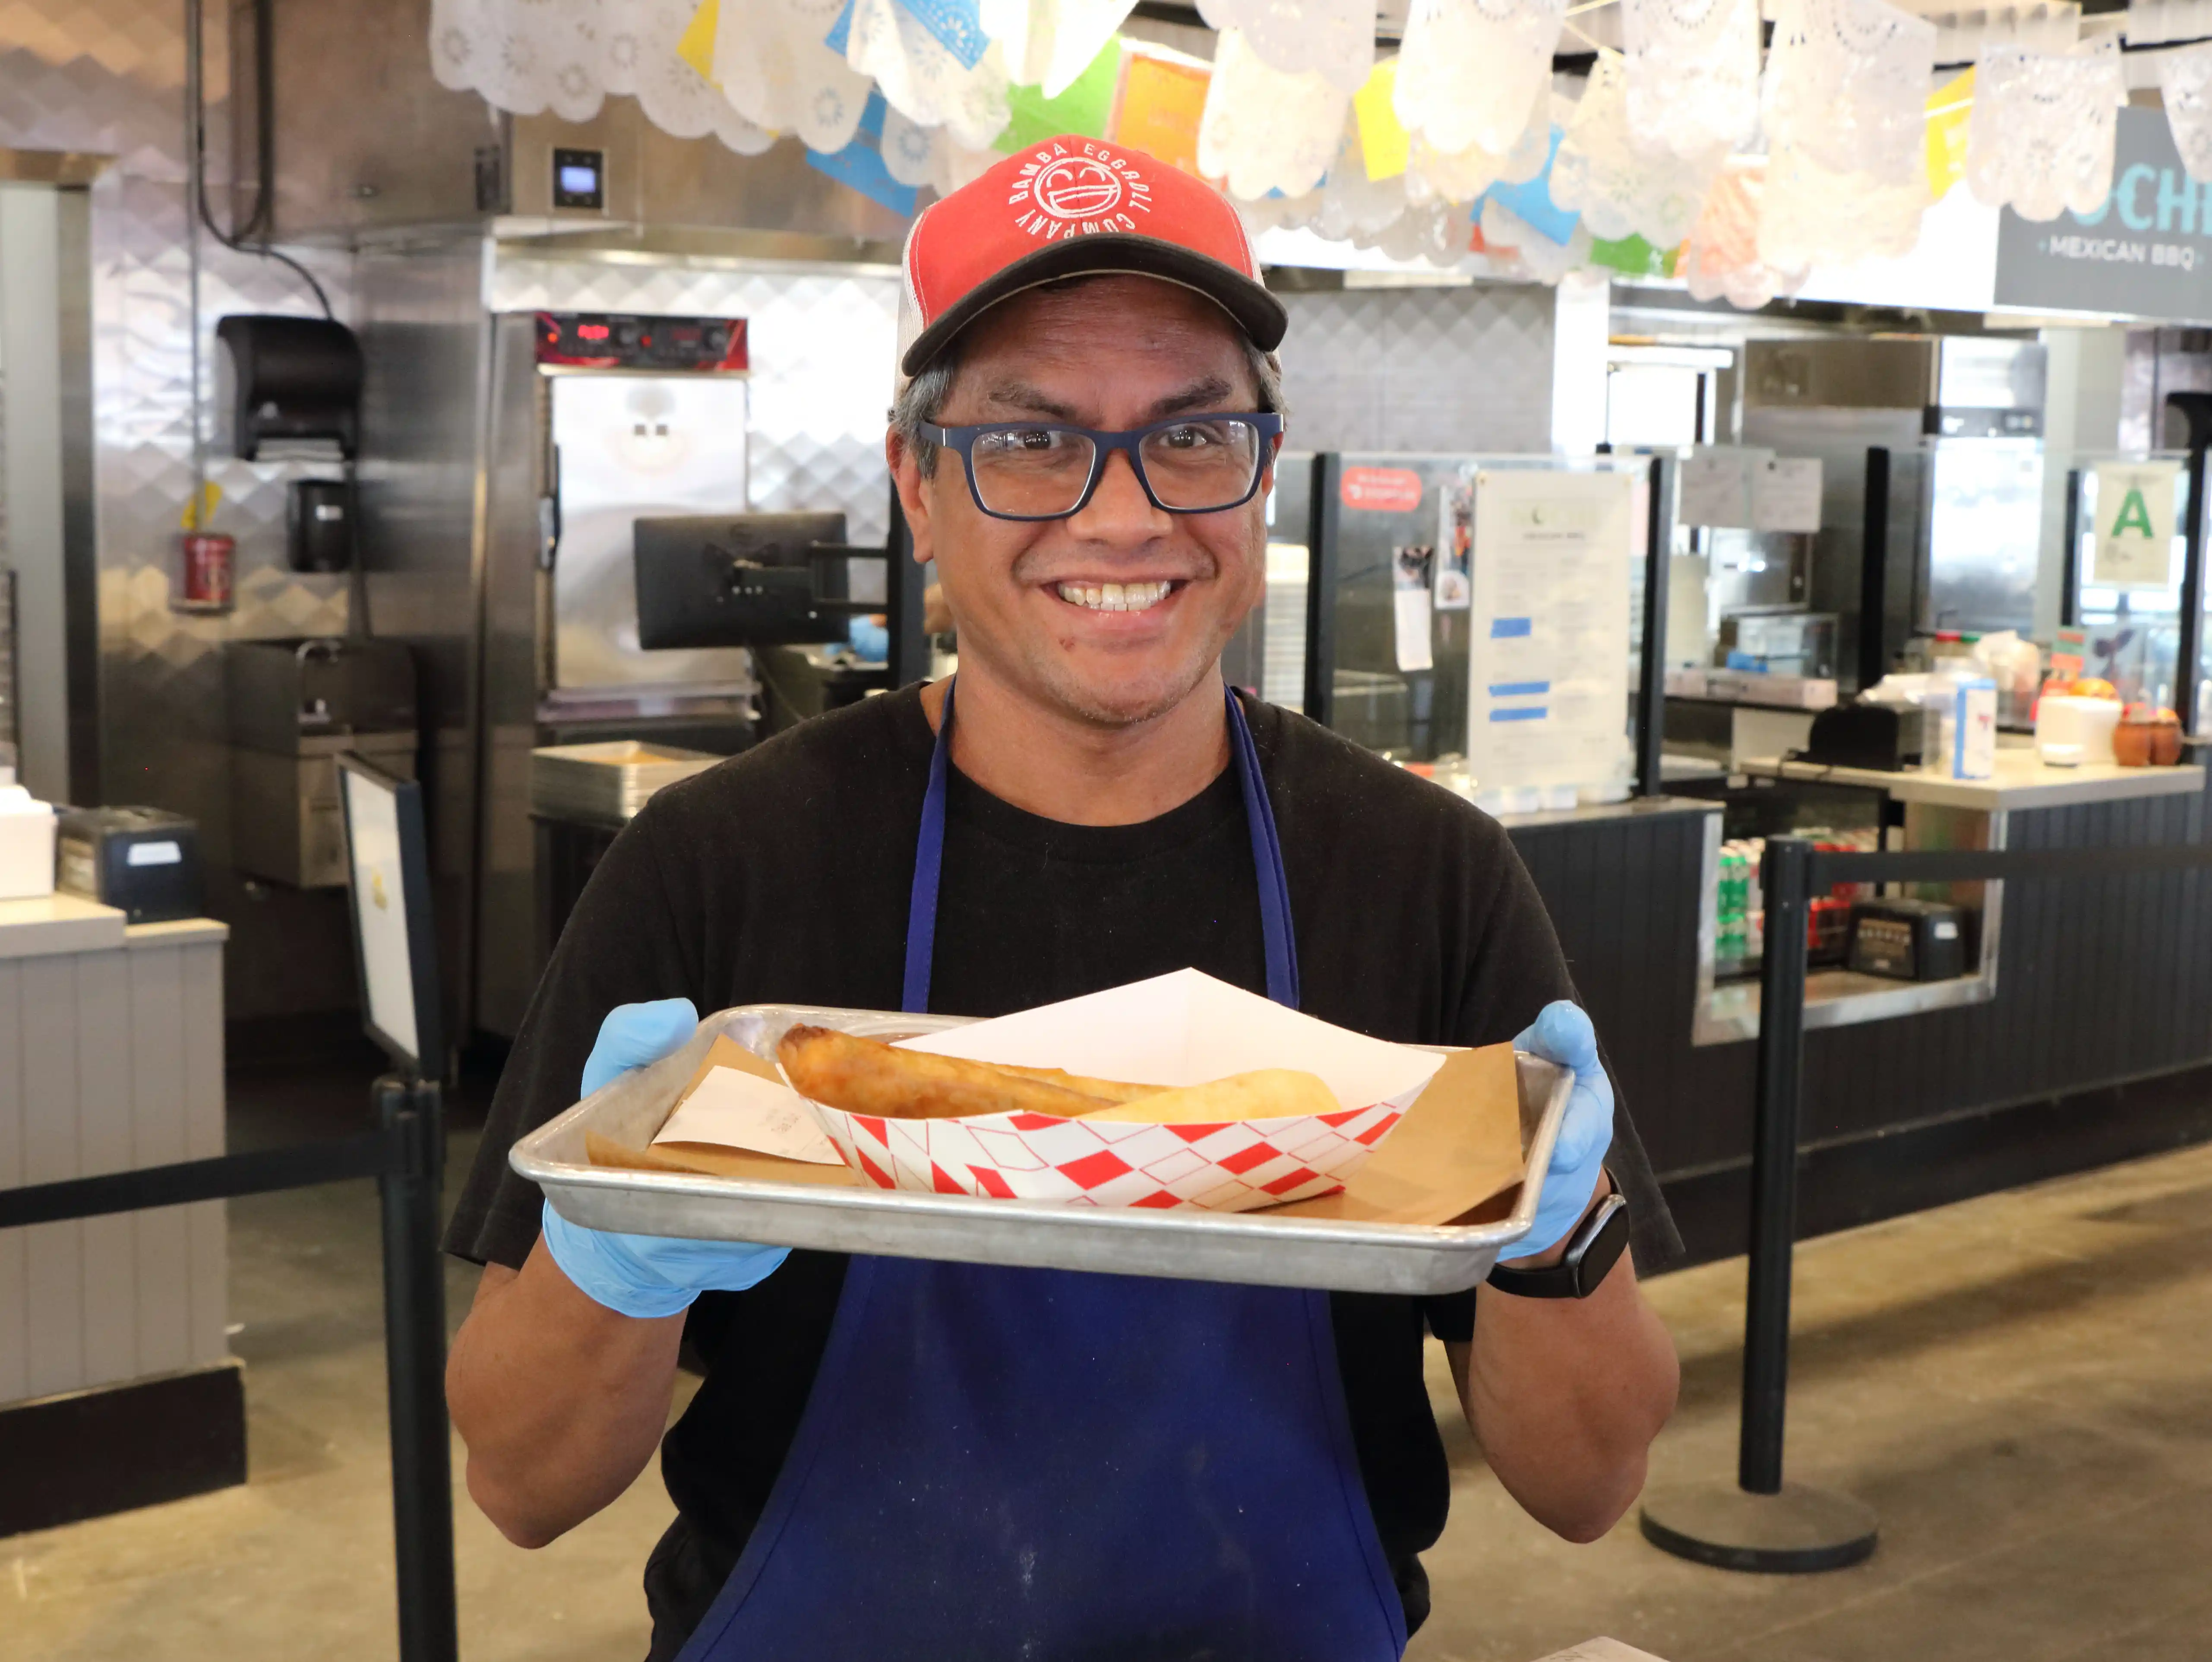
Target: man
888,1457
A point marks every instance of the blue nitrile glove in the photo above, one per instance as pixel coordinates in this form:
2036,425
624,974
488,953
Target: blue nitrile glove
1561,1033
648,1275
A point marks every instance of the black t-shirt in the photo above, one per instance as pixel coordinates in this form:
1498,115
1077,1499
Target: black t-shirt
783,876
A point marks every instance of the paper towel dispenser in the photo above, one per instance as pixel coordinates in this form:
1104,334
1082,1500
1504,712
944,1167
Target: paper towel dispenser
293,382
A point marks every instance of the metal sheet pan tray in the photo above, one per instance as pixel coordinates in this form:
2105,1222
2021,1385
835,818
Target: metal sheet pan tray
607,782
1252,1247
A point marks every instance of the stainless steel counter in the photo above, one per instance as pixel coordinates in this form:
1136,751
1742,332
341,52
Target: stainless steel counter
1636,807
2021,781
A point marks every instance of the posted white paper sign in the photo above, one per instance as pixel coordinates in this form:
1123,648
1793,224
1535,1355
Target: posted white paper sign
739,1109
2134,546
1412,618
1548,663
1716,485
1785,494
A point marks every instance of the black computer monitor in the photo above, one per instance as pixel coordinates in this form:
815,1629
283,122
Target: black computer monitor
725,579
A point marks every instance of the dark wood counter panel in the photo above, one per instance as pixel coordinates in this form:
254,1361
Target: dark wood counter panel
2097,1045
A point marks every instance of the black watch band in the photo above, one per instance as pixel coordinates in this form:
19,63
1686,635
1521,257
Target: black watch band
1595,1248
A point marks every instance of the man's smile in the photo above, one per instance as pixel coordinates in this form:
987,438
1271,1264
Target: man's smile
1116,597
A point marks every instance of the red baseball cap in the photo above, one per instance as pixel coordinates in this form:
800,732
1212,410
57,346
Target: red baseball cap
1067,207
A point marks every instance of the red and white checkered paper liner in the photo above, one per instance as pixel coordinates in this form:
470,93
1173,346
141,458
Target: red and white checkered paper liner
1220,1167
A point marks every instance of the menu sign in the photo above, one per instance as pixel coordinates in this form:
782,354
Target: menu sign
1549,671
2146,251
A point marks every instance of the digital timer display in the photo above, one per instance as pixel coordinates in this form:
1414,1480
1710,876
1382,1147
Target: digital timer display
629,341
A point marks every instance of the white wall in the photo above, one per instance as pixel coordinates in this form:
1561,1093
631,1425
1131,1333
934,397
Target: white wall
30,456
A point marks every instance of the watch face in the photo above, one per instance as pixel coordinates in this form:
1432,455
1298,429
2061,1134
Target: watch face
1598,1255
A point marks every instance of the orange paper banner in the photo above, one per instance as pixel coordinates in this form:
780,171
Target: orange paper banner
1160,103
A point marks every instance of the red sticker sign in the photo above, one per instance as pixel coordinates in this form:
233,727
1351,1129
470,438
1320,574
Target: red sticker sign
1381,490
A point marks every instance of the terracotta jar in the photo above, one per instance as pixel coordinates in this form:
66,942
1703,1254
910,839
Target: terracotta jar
2147,737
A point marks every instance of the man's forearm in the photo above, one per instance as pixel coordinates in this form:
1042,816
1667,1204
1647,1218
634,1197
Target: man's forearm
560,1400
1565,1396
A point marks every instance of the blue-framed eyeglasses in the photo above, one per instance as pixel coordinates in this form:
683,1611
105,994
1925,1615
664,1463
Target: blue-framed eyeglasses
1044,470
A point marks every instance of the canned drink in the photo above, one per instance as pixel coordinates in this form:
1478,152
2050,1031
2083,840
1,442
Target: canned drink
207,569
1730,943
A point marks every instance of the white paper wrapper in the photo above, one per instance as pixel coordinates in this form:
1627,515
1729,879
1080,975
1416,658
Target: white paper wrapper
1186,1028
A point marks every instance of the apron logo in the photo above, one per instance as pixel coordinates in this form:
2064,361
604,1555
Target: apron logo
1061,194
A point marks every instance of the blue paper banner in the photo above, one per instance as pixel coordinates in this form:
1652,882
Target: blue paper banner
860,167
1532,200
957,26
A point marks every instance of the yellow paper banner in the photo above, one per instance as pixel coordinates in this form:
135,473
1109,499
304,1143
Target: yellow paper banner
1384,142
695,47
1949,107
197,514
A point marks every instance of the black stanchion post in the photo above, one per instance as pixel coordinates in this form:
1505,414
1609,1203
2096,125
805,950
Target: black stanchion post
1779,1103
1874,568
2069,559
412,1112
2195,408
1652,684
1759,1522
904,586
1322,526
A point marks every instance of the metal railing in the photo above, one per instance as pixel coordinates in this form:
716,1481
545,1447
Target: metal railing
406,1156
1763,1523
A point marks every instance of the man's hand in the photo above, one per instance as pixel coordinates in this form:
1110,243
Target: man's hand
1565,1394
561,1377
648,1275
1561,1034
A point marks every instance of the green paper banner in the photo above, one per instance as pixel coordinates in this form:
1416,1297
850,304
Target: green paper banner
1085,107
1633,256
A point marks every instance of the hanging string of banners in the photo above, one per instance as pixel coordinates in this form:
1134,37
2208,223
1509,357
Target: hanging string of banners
1696,146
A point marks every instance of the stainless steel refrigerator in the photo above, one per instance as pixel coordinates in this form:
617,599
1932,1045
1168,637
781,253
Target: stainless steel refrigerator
1942,529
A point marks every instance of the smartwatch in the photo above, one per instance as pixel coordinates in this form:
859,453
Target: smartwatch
1592,1252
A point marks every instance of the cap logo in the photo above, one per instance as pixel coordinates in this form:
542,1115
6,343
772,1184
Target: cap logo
1060,194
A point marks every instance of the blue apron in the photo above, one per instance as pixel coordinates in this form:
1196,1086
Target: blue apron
1006,1463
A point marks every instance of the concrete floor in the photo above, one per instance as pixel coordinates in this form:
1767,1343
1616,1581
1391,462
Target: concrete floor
2021,1385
